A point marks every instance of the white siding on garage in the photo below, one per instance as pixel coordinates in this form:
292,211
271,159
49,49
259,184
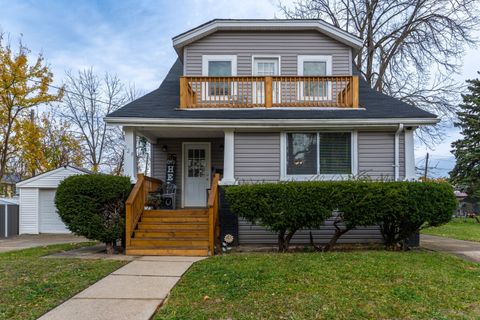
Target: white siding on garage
28,219
50,221
37,208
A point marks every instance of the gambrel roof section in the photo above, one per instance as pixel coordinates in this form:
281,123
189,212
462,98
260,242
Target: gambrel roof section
192,35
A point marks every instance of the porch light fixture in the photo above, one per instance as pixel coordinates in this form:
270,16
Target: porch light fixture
164,148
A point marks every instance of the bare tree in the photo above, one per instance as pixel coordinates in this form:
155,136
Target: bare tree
88,99
411,48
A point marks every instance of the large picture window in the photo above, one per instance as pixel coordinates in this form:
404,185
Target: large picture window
320,153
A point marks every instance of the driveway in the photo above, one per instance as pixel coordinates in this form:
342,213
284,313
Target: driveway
37,240
468,250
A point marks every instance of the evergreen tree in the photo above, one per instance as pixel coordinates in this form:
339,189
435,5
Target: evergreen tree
466,173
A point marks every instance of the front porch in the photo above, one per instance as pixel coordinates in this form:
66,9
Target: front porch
192,161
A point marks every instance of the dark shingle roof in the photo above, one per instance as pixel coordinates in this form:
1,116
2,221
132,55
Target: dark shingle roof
164,101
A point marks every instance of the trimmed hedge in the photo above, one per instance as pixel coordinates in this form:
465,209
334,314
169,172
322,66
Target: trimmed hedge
400,208
93,206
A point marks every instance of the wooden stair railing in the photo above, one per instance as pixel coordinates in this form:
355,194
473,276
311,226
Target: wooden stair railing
213,218
135,203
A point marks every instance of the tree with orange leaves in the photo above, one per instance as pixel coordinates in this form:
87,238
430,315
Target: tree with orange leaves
23,85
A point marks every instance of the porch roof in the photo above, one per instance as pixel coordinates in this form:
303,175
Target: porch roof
163,103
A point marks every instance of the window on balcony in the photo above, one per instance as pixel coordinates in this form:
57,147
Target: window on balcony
314,88
219,66
310,154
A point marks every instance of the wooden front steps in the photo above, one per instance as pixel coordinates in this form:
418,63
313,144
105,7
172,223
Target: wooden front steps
171,232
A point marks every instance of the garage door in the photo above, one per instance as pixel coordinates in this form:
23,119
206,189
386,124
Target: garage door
49,220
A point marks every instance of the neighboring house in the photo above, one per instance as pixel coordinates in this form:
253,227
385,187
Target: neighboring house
268,100
7,185
38,213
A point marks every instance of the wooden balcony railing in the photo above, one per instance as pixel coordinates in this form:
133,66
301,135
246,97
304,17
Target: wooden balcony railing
135,203
267,92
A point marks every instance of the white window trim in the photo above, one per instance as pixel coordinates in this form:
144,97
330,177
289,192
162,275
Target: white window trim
317,58
310,177
205,87
266,56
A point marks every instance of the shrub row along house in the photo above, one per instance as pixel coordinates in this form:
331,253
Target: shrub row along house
255,101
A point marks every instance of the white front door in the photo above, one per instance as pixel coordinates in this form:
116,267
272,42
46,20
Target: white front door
264,67
196,173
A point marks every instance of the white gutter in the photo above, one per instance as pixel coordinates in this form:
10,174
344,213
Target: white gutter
397,151
264,123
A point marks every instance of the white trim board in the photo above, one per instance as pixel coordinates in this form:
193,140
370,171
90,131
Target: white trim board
266,123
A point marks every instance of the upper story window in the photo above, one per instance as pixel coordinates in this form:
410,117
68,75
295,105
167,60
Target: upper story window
314,88
219,66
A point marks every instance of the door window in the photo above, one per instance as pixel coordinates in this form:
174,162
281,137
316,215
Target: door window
196,163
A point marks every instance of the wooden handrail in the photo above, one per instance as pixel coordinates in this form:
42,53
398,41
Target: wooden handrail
269,91
213,211
135,203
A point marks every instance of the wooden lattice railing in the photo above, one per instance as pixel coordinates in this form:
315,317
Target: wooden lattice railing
274,91
213,214
135,203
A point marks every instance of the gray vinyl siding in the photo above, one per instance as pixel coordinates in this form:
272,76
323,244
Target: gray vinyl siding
402,156
376,154
286,44
252,234
174,146
257,156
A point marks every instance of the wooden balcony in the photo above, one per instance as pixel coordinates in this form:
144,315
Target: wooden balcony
269,92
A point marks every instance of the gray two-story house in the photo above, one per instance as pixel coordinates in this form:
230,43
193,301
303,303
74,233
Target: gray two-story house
256,101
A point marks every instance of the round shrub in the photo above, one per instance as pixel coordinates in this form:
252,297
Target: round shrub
93,206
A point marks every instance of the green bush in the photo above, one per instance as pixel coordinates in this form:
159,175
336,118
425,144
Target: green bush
412,206
93,206
400,208
283,207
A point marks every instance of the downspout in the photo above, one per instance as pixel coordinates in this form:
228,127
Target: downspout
397,151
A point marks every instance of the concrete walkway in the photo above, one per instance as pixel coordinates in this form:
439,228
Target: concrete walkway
134,291
468,250
37,240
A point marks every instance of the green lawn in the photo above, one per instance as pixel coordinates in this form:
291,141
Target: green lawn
31,285
458,228
338,285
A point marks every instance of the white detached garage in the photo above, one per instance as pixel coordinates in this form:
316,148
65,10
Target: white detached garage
37,207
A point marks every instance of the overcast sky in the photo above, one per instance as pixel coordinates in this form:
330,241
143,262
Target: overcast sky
133,40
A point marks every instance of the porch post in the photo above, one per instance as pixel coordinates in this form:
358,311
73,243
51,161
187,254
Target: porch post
130,165
228,158
409,154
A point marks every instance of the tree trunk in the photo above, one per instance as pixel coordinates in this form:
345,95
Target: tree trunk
281,241
338,233
287,240
110,247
